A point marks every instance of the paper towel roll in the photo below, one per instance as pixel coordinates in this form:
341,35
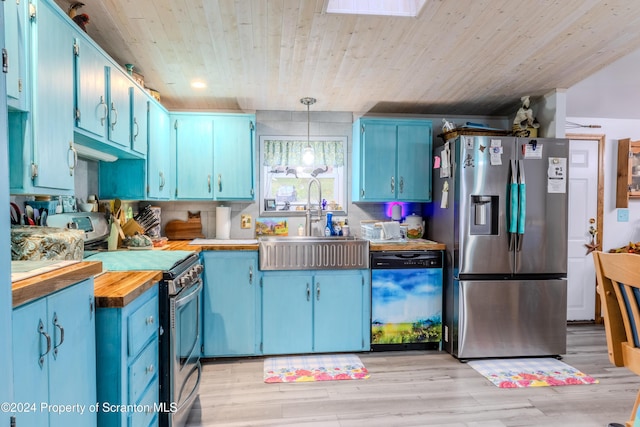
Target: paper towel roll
223,222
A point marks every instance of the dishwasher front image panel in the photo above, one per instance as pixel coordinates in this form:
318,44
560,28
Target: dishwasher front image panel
406,300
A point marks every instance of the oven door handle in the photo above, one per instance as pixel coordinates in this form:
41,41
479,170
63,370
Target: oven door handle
192,293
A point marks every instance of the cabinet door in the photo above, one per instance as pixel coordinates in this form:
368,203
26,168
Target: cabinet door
338,311
194,154
233,158
119,107
31,345
287,313
139,109
158,157
91,103
53,100
231,295
378,164
414,162
15,33
72,361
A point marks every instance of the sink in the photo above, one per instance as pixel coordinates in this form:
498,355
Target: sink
313,253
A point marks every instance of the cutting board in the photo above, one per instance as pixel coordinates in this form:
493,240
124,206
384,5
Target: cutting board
184,230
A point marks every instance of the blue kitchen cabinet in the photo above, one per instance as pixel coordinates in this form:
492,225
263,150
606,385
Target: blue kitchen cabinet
127,361
159,175
233,142
193,136
54,354
119,111
139,119
315,311
287,312
6,373
42,153
392,160
91,109
16,45
231,311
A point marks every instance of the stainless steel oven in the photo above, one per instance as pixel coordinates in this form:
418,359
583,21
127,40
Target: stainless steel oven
180,340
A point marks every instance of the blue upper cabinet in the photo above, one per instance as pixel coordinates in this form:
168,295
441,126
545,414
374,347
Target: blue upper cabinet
233,144
91,104
51,126
119,100
16,42
139,119
214,156
392,160
159,175
193,136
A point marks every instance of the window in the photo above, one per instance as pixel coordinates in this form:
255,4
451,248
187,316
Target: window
285,178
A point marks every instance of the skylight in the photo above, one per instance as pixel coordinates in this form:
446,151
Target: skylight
376,7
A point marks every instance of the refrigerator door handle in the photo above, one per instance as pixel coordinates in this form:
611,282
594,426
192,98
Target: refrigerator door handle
513,206
522,208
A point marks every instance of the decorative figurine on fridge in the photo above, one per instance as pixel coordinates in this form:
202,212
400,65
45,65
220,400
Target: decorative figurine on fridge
524,124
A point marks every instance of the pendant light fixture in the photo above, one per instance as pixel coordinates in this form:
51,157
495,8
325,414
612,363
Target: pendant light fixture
308,155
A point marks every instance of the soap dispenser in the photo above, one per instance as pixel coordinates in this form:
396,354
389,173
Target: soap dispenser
328,229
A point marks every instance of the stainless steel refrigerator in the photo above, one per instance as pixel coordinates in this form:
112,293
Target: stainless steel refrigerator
500,206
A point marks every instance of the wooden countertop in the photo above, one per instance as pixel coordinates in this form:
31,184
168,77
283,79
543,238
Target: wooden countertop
409,245
183,245
32,288
118,288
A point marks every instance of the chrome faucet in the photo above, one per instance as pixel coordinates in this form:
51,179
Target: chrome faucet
311,181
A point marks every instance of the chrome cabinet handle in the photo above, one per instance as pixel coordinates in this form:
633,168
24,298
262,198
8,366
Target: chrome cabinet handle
115,116
161,180
135,135
401,184
48,338
308,292
149,369
250,275
105,109
220,182
57,325
393,184
72,165
209,183
317,291
149,320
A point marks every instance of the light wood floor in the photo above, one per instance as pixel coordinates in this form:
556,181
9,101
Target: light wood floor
418,388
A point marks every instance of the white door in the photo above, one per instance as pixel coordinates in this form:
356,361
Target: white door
583,202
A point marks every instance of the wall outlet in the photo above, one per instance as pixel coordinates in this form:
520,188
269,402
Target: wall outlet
623,215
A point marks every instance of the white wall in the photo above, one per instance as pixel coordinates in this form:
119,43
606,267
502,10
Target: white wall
615,234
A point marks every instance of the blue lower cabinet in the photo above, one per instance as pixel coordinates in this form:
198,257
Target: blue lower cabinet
127,362
231,304
54,356
315,311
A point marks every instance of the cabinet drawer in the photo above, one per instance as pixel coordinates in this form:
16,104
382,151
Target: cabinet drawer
141,325
143,370
147,414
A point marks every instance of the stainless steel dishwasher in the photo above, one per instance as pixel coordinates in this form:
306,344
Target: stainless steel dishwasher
406,300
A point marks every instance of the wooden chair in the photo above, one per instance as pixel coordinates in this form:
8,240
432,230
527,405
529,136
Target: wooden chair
618,284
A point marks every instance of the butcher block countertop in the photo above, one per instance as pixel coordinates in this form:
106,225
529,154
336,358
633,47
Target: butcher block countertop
408,245
32,288
116,289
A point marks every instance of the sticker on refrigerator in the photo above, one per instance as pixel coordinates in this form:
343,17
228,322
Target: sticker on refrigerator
532,150
445,163
557,175
496,152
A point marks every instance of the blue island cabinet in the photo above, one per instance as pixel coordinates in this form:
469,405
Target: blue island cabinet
54,358
231,312
127,363
315,311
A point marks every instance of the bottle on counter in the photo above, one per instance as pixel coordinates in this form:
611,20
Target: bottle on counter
345,228
328,229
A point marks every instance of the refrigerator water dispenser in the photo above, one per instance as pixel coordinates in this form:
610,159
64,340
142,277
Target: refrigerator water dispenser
484,215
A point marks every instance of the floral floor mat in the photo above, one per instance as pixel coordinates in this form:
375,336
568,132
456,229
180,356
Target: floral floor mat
530,372
328,367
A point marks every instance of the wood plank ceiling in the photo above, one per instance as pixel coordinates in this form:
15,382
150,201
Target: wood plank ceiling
456,57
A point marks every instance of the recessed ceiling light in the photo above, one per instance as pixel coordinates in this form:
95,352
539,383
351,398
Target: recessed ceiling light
376,7
198,84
